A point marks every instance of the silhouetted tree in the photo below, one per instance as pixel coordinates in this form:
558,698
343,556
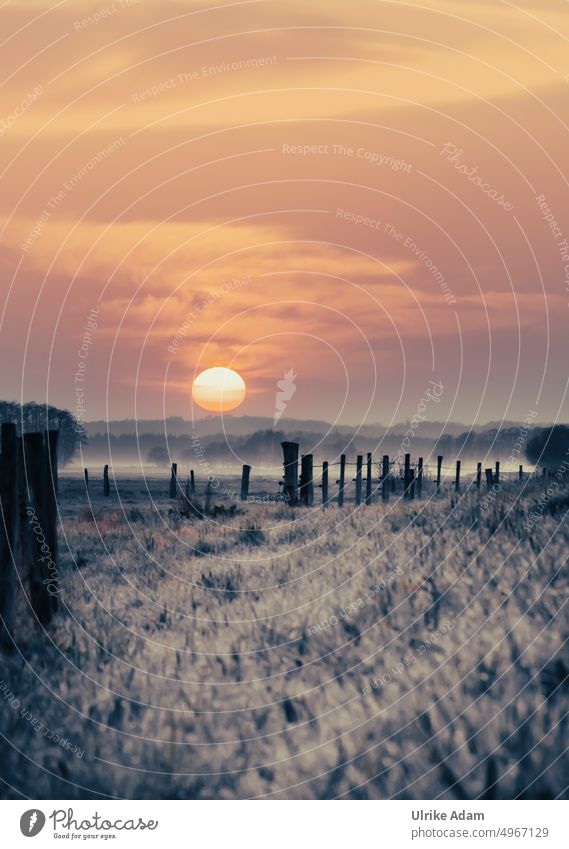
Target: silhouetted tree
549,446
32,417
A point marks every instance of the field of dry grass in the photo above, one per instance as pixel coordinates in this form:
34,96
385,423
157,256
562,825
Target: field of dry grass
393,651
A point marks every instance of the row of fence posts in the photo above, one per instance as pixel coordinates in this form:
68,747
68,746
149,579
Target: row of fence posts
28,524
300,490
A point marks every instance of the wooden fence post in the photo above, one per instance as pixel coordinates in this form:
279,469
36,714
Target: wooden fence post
307,480
342,480
192,483
359,462
457,477
86,478
290,463
244,495
420,478
439,471
106,485
325,483
174,480
521,473
407,476
208,493
385,478
42,565
478,475
488,473
497,473
411,484
368,478
9,529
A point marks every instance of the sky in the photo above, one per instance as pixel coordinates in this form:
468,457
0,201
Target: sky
370,194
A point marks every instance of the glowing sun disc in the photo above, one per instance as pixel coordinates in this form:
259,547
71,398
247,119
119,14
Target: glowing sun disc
218,390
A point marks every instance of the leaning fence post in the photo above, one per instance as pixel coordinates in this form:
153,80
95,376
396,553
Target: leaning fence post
407,476
306,480
368,478
488,473
174,480
359,462
325,483
439,471
478,475
420,478
290,463
244,495
385,478
342,480
106,485
497,474
457,477
9,528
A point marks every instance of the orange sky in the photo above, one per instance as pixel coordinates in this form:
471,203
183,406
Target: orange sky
265,185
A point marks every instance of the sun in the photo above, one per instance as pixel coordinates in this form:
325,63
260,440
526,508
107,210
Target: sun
219,390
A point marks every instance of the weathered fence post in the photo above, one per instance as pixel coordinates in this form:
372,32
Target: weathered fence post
488,473
208,493
359,462
325,483
174,480
411,484
244,495
9,528
385,478
86,478
457,477
420,478
521,473
439,471
497,473
307,480
36,498
342,480
478,475
106,485
368,478
192,483
544,472
407,476
290,463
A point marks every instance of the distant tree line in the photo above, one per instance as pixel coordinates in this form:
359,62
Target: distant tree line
549,446
32,417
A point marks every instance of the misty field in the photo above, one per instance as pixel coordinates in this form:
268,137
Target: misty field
408,650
